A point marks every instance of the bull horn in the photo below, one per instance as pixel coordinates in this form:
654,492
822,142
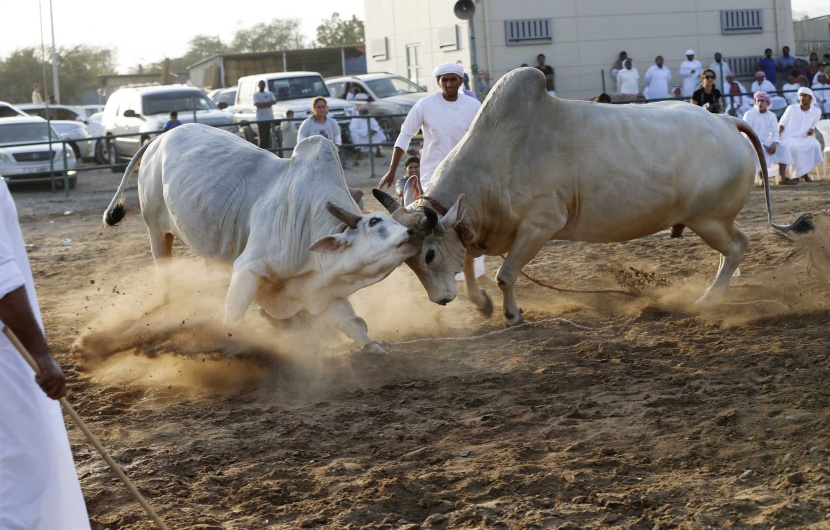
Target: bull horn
349,218
430,222
388,202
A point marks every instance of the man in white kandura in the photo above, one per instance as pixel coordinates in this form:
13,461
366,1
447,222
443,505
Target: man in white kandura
39,487
444,117
765,124
797,128
657,80
690,72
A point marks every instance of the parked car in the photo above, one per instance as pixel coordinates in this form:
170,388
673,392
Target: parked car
223,97
7,110
91,109
35,162
71,124
382,93
294,91
141,112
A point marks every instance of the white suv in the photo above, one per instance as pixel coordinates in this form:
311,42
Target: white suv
294,91
141,112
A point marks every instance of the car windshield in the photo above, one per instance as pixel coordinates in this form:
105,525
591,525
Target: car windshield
308,86
23,133
228,97
393,86
179,101
8,112
56,113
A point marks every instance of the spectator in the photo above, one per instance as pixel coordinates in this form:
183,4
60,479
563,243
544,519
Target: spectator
791,87
617,66
765,124
657,80
628,78
719,66
802,68
411,168
825,61
802,80
483,87
549,75
288,134
352,94
319,123
821,91
39,488
364,129
736,103
263,101
677,91
690,72
761,83
466,77
37,97
51,100
767,65
813,66
603,98
797,128
707,96
783,64
173,121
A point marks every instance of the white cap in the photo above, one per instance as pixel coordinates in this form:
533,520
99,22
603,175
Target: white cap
805,90
690,52
448,68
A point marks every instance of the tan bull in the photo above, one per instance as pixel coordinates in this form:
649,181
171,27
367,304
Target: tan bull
533,168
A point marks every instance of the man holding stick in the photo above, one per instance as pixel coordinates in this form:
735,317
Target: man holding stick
39,488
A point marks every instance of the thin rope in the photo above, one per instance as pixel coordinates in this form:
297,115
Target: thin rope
563,290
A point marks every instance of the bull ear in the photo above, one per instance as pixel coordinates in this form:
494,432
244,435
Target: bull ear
386,200
349,218
429,223
330,244
357,195
453,219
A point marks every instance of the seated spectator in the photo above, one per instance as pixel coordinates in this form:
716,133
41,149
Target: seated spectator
173,121
797,129
802,68
736,103
707,95
791,87
821,91
765,124
677,91
603,98
761,84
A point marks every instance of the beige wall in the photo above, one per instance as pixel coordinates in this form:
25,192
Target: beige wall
587,35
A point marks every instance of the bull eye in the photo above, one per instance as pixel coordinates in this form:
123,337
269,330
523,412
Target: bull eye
374,220
430,256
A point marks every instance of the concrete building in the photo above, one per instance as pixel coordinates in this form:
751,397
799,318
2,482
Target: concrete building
581,39
812,35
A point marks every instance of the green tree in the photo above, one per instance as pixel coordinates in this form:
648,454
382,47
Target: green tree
201,47
336,32
279,34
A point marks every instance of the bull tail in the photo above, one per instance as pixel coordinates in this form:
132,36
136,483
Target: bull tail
759,150
116,211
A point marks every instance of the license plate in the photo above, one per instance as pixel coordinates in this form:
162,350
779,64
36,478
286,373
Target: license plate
41,169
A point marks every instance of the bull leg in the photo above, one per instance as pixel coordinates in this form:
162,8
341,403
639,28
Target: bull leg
161,245
340,314
241,292
731,242
475,293
277,307
530,238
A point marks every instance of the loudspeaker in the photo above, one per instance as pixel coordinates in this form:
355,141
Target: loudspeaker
464,9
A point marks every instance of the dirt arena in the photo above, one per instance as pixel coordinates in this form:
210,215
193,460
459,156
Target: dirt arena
603,411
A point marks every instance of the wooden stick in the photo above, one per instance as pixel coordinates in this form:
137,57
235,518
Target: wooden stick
91,437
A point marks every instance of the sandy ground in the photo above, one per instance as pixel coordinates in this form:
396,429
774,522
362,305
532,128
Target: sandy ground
603,411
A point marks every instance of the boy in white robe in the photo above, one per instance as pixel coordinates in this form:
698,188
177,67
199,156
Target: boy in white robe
765,124
797,127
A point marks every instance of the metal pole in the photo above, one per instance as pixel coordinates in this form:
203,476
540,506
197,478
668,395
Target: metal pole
55,81
602,75
473,59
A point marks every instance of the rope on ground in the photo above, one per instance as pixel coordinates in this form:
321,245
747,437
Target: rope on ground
563,290
753,302
497,332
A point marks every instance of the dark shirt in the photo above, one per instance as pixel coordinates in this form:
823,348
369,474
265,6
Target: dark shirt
703,98
547,69
768,66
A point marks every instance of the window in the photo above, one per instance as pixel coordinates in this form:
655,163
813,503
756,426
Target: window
379,49
413,62
448,37
528,31
738,21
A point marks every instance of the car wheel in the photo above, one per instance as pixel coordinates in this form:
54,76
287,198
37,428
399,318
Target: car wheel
73,181
389,129
76,149
112,157
101,152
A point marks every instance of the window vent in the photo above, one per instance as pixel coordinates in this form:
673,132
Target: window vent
528,31
379,49
740,21
448,37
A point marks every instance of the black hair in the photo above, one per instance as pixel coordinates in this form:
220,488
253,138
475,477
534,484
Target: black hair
412,159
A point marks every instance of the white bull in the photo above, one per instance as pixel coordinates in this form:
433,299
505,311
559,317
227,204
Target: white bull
295,236
534,168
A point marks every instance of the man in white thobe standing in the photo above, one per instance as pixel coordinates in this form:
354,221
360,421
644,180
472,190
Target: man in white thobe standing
657,80
444,118
765,124
797,128
721,68
39,487
690,72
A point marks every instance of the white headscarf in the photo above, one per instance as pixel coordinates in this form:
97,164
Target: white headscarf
448,68
805,90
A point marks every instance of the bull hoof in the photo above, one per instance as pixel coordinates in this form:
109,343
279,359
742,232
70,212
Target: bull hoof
487,308
374,348
512,320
